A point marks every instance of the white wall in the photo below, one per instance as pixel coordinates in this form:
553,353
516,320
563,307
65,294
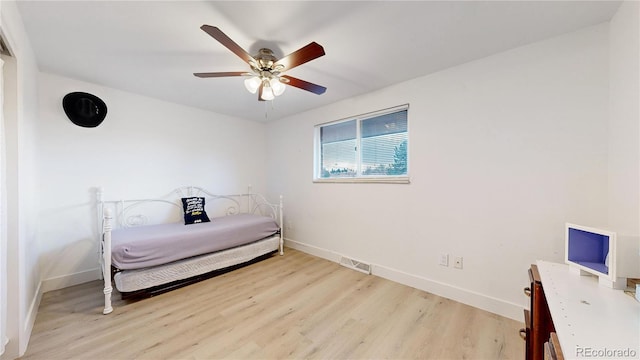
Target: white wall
503,151
3,221
144,148
624,134
21,103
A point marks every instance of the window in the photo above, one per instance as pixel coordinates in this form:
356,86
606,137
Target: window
365,148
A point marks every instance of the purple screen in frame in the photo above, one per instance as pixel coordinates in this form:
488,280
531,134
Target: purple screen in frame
588,249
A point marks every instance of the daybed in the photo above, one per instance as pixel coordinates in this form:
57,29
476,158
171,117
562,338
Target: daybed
157,244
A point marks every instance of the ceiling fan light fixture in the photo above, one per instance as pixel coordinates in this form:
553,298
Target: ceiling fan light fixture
267,91
267,95
252,84
277,86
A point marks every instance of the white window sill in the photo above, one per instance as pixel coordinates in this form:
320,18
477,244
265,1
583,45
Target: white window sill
366,180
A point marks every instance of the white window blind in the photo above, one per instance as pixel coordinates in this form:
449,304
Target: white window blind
364,148
338,149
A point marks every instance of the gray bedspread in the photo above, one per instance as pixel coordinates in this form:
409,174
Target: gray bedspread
146,246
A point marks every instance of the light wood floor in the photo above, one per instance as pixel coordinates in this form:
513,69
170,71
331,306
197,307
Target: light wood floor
296,306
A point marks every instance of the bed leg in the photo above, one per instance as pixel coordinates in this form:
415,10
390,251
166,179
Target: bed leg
281,245
107,300
106,261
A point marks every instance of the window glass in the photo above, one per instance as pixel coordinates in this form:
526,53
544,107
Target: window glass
339,155
368,146
384,144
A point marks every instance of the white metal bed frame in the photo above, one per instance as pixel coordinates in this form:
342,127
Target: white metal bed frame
125,215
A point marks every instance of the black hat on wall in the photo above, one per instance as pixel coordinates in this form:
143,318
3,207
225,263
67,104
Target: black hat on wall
84,109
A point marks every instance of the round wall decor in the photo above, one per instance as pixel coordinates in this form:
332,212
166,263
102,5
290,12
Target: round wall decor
84,109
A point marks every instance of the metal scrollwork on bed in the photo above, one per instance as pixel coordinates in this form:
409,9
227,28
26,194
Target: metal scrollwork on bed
122,214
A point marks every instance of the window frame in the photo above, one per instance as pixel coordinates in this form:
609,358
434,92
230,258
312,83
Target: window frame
359,178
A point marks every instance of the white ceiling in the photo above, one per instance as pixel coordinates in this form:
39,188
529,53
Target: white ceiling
153,47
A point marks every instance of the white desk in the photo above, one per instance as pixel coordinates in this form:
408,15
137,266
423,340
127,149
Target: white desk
591,321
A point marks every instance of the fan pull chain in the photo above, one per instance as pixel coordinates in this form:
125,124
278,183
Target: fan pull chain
268,105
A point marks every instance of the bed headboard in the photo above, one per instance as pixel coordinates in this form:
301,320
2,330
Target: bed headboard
168,208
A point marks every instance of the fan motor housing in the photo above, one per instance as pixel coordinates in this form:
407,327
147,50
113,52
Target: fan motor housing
265,59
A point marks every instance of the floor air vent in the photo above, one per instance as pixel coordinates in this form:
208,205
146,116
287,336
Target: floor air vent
356,265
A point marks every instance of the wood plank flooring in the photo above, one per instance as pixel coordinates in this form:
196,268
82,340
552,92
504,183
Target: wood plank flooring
285,307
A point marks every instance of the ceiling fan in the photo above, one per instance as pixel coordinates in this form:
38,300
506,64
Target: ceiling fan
265,76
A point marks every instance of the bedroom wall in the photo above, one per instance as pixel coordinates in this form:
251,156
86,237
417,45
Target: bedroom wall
20,113
624,134
503,151
145,148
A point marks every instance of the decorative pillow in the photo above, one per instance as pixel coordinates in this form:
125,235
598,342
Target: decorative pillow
194,210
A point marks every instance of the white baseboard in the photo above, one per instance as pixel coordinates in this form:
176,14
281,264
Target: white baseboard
61,282
468,297
30,321
313,250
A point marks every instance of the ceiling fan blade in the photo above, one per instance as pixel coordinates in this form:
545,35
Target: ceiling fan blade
301,56
221,74
227,42
304,85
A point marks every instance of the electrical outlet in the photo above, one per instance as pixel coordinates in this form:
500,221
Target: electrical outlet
444,259
457,262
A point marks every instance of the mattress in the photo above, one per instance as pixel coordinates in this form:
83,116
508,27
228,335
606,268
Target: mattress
134,280
153,245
